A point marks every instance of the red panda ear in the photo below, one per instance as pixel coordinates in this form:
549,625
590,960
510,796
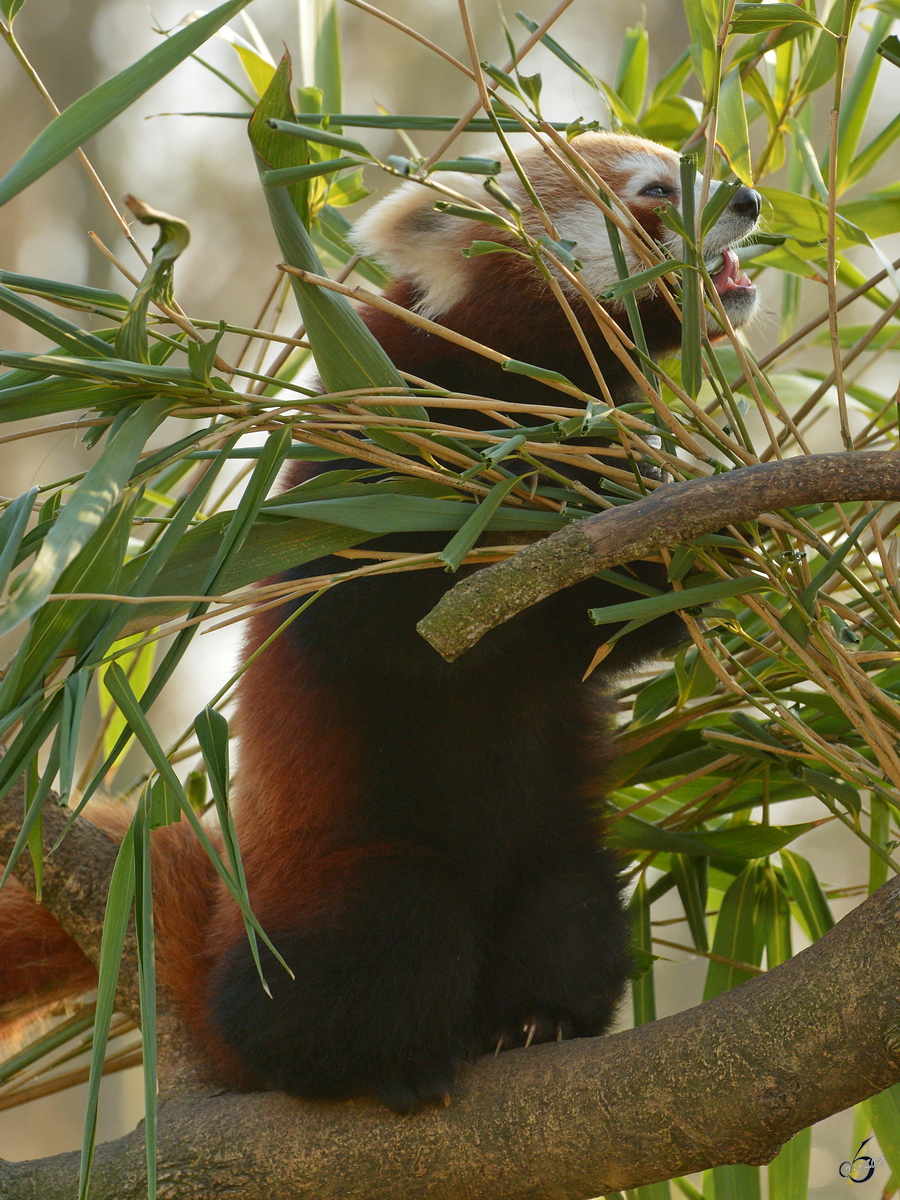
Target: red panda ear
415,241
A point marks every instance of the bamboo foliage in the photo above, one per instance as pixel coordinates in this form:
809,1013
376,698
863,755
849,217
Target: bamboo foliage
789,687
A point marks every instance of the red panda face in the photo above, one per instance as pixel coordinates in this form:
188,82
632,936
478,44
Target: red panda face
418,243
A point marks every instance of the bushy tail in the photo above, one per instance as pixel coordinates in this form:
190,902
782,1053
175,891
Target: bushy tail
40,963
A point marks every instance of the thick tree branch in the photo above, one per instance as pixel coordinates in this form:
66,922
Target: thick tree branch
672,514
728,1081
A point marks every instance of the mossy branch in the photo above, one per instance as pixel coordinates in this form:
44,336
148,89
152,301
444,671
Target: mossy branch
672,514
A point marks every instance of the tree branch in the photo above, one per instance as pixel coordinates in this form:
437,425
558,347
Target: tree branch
672,514
728,1081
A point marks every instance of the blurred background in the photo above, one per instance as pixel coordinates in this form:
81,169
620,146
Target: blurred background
200,169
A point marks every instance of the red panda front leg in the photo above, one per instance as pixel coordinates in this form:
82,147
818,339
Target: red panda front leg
383,946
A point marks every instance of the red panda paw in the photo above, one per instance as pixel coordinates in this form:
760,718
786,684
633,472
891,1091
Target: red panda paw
532,1031
410,1096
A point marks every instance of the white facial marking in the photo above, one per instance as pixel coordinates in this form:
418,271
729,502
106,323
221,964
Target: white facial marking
418,243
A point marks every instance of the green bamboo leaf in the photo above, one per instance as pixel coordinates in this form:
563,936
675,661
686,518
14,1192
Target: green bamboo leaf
484,247
775,915
741,841
732,133
672,120
68,336
143,928
857,98
93,498
806,892
806,219
74,694
93,111
808,158
788,1172
738,1181
655,606
627,287
69,294
10,8
643,996
174,235
689,873
672,82
347,354
515,367
703,25
138,666
821,62
469,163
413,122
458,547
473,214
873,152
258,67
13,523
631,75
738,936
137,720
760,18
884,1113
321,137
212,734
693,325
327,60
402,514
890,49
95,568
878,213
288,175
115,927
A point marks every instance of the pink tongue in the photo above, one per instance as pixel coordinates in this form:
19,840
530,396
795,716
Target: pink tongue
728,278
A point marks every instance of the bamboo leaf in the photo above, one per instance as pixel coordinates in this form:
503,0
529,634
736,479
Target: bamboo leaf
788,1172
458,547
68,336
13,523
655,606
630,832
115,927
93,111
94,497
737,936
807,894
760,18
631,76
642,988
174,235
732,133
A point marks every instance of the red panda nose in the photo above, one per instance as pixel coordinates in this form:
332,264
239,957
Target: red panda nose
746,202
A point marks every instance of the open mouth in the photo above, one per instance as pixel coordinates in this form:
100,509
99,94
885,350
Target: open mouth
729,277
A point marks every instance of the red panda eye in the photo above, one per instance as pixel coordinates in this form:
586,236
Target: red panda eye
660,190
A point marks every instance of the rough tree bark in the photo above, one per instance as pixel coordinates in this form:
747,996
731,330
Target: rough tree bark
671,514
728,1081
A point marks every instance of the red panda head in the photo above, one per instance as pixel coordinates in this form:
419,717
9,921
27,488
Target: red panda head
424,246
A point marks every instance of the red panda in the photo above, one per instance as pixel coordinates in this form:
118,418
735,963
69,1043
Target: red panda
420,838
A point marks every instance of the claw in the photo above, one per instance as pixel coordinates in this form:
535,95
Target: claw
500,1044
529,1030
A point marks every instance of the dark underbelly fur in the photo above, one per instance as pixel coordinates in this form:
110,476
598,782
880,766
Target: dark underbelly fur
488,913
